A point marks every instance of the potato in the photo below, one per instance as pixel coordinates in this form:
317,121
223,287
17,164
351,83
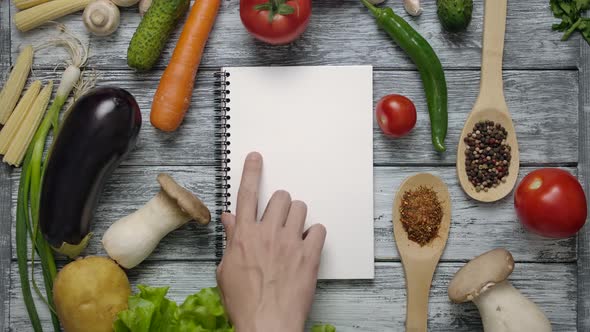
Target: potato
88,293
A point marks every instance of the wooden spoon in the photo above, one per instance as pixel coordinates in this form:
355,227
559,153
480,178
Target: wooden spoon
420,262
491,104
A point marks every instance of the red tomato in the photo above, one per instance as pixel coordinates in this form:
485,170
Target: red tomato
551,203
278,28
396,115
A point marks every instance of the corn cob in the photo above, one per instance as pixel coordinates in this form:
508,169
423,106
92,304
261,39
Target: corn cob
16,152
24,4
33,17
16,82
15,122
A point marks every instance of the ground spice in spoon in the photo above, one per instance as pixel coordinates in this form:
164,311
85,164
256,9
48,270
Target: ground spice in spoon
421,214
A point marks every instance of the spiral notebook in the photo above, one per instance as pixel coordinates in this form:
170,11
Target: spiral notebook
314,129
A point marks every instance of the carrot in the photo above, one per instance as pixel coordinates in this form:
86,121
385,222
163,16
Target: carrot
173,96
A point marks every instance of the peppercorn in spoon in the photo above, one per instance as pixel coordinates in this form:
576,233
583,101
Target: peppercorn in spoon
421,222
487,156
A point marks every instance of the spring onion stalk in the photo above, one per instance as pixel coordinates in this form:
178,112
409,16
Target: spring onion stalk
33,170
21,244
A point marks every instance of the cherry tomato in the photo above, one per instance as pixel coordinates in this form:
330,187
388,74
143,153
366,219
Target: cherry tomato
275,21
551,203
396,115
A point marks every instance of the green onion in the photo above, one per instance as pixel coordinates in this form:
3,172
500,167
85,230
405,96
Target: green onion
32,179
22,217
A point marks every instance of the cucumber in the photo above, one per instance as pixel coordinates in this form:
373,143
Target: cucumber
153,32
455,15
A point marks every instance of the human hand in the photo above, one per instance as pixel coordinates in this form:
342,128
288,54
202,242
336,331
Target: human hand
269,271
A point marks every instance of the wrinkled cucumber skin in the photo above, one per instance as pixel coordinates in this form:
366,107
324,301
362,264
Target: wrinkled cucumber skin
455,15
153,32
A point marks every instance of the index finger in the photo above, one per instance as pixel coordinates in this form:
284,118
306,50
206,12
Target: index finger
247,203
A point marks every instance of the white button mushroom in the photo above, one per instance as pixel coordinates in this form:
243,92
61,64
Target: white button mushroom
101,17
502,307
125,3
132,239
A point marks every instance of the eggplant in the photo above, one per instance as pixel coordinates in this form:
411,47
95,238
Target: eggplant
96,135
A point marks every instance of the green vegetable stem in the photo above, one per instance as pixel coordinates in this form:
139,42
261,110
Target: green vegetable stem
29,193
27,220
429,66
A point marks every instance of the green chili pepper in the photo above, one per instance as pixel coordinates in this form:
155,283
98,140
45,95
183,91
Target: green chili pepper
431,71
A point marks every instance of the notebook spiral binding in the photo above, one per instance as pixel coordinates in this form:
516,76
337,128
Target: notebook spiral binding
222,152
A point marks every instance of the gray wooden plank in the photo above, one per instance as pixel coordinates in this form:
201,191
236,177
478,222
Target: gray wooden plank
369,306
5,182
584,173
475,226
544,105
342,32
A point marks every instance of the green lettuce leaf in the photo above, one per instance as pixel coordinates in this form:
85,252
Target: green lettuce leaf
151,311
203,312
148,311
583,4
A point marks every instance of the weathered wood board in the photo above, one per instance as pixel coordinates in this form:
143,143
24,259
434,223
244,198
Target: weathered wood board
583,307
544,134
379,305
131,187
342,32
547,89
5,183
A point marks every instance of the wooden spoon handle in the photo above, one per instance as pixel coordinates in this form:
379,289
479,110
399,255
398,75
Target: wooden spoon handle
492,87
418,282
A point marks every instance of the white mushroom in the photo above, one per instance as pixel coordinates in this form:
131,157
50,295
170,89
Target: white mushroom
132,239
125,3
501,306
413,7
144,5
101,17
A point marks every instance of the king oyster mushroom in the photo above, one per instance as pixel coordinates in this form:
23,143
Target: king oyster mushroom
502,307
132,239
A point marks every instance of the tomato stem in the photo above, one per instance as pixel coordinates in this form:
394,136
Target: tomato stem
275,7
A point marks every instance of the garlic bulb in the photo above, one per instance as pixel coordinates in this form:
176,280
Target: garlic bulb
413,7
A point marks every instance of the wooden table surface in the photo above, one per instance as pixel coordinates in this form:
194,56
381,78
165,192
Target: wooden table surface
547,85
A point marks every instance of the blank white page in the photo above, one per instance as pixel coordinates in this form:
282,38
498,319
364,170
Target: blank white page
314,129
